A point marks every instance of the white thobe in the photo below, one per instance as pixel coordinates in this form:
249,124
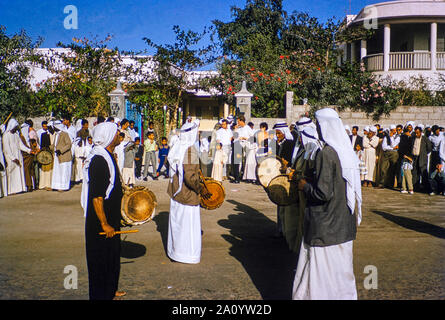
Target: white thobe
61,177
369,147
325,273
12,147
250,169
218,165
184,233
3,176
79,152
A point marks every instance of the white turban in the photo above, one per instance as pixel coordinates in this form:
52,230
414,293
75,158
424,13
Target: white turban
187,138
366,128
373,129
283,127
392,127
103,135
311,142
304,122
334,134
12,123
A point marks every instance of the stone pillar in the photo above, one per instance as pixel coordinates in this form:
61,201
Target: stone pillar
386,47
433,46
289,106
353,51
226,110
363,49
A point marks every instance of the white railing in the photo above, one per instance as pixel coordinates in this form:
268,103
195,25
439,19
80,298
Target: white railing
409,61
374,62
440,61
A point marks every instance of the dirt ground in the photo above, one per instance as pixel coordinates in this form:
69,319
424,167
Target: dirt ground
402,236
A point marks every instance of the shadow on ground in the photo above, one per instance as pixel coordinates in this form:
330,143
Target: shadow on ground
413,224
267,260
132,250
161,220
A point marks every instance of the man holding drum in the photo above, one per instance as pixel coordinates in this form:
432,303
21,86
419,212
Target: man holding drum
333,210
184,189
101,201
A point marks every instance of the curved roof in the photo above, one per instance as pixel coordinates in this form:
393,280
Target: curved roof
403,9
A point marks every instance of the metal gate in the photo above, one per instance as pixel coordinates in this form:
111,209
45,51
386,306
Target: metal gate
134,112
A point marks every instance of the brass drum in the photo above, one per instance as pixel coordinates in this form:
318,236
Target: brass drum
281,191
44,157
268,169
218,195
138,206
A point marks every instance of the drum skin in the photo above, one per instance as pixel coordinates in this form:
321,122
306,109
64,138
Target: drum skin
44,157
138,206
281,191
218,195
268,169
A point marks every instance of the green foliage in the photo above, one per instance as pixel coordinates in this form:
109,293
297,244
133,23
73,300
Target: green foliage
16,55
84,74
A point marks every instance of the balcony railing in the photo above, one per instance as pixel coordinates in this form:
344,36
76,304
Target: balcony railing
440,61
409,61
404,61
374,62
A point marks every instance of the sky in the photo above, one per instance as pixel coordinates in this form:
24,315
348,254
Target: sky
128,21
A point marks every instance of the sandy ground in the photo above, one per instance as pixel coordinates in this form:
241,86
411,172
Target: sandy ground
42,232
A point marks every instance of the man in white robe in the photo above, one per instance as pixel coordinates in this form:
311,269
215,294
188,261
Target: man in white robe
3,177
12,147
62,167
333,211
224,136
184,224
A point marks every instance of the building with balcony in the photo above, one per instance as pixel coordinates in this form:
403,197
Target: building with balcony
409,39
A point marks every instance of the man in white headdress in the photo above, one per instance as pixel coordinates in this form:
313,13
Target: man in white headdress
184,188
390,146
3,177
46,139
224,136
63,158
285,145
101,200
333,210
370,144
12,150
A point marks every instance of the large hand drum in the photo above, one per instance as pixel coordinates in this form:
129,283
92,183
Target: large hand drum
138,206
281,191
44,157
218,195
268,169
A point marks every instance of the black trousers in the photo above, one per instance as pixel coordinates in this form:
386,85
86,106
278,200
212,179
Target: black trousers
420,176
137,168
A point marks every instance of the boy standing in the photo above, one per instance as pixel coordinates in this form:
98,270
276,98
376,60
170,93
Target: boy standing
150,148
138,157
163,153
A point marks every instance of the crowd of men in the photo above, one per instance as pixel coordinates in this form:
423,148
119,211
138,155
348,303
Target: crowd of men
329,162
67,144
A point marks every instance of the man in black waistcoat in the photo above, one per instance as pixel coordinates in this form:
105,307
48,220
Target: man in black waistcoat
325,268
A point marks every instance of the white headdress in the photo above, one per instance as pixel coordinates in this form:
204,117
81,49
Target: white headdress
311,142
304,122
187,138
103,135
334,134
283,127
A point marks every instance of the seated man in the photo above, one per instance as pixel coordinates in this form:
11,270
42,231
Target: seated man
437,180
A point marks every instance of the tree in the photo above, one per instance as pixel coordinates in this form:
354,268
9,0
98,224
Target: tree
170,79
85,71
16,56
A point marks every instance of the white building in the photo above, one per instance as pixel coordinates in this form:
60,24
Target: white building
409,39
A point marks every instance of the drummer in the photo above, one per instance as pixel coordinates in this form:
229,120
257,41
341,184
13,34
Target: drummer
285,145
46,139
101,200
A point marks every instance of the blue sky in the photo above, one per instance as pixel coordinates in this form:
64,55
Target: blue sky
131,20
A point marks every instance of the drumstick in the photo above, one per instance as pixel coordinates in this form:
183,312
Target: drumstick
120,232
10,114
